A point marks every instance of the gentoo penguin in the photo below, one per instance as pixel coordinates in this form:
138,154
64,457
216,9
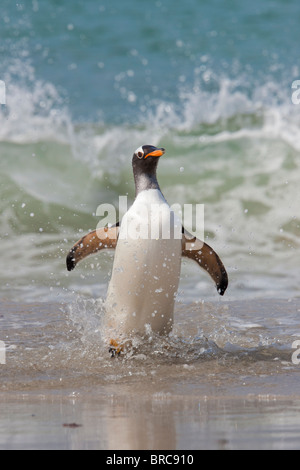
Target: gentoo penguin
146,269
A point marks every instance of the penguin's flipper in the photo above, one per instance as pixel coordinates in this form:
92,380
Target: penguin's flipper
100,239
207,259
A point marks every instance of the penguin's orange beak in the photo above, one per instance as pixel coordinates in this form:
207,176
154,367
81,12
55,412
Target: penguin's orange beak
156,153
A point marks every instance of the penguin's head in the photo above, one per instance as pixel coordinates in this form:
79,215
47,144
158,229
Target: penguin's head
147,155
144,164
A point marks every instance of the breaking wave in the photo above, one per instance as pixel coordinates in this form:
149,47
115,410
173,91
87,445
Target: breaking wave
235,150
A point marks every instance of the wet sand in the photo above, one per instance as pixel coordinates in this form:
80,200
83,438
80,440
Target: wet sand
230,388
161,421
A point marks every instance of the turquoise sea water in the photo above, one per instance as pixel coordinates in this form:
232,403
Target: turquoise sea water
88,82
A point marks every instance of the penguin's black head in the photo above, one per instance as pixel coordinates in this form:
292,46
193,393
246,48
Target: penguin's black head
148,151
144,163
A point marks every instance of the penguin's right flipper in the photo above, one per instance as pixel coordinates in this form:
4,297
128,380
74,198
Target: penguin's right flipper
207,259
100,239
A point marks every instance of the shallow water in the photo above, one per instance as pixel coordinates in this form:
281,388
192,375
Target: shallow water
162,421
224,379
56,345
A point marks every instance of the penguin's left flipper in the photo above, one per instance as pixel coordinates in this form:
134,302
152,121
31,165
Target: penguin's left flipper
100,239
207,259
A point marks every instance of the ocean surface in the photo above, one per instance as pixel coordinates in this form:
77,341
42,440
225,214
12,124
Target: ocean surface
86,84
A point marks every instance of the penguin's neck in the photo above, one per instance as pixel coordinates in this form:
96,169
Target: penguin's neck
144,181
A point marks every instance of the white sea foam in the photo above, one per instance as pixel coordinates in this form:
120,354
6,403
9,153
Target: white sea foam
239,150
34,108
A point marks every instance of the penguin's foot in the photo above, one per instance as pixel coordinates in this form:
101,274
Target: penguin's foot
115,348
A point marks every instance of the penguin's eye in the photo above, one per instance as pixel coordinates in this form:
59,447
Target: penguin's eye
140,155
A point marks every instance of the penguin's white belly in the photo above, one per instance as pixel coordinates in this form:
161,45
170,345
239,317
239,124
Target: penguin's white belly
146,268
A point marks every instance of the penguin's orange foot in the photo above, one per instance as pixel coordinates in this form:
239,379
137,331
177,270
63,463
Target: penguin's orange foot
115,348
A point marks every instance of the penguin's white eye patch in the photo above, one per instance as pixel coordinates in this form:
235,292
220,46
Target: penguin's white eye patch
139,152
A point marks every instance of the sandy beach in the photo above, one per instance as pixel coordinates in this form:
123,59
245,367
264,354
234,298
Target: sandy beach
180,394
161,421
